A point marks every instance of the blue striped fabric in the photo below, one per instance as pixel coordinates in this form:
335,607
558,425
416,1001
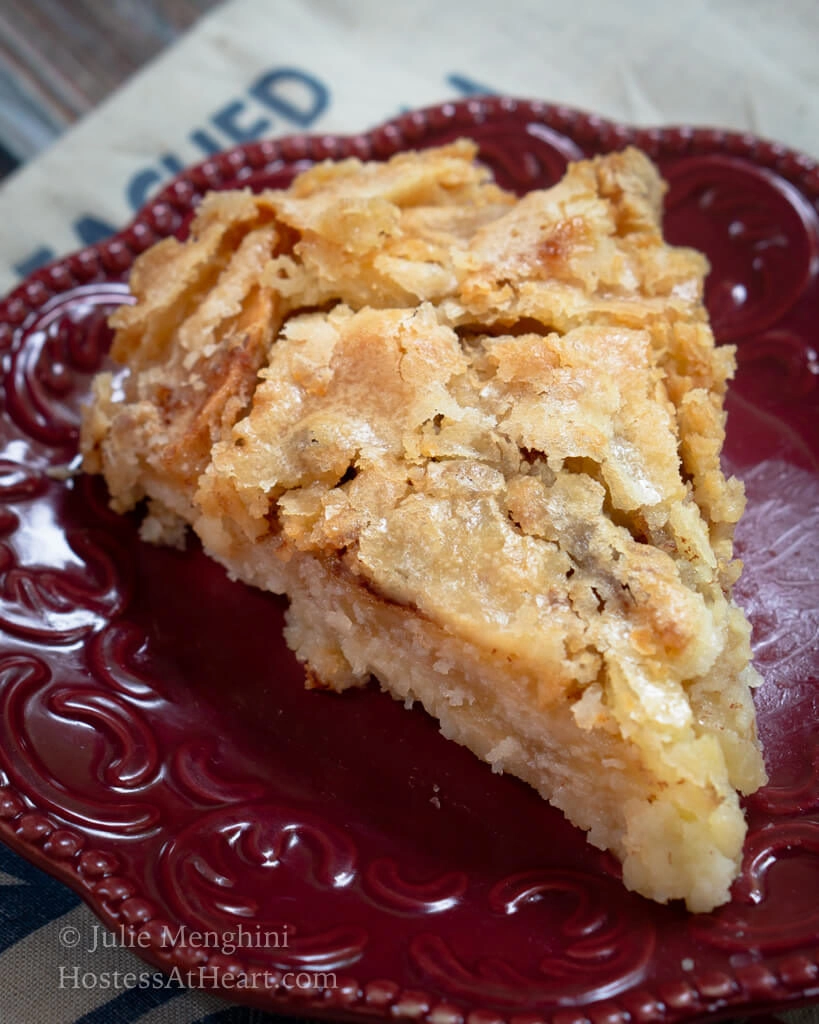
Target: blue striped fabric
37,915
30,899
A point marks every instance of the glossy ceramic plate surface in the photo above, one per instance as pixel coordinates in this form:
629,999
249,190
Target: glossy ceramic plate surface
159,753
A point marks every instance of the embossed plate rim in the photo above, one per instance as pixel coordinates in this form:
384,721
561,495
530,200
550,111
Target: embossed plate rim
770,982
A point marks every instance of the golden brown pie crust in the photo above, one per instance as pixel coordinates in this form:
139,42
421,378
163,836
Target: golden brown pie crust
476,440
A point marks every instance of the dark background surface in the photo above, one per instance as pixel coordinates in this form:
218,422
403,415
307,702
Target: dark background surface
60,58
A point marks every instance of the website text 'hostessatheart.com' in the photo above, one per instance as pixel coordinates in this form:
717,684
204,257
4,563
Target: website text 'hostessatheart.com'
76,977
250,940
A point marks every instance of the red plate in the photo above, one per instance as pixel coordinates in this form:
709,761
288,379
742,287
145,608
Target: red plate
160,755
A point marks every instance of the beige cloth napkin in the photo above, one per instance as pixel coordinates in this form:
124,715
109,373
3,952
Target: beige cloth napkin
282,66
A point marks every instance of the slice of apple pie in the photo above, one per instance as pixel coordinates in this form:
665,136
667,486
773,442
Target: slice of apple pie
476,441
